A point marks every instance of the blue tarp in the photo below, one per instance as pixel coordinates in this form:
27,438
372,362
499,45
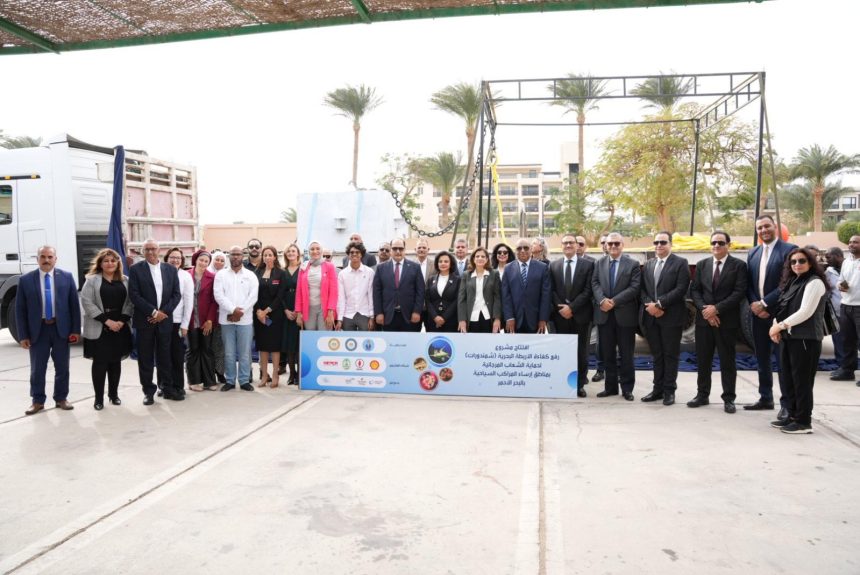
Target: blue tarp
114,239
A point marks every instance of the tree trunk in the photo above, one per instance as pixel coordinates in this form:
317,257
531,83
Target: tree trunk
580,119
446,207
607,227
472,232
356,128
817,208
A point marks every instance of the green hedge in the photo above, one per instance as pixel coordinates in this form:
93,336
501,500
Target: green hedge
847,229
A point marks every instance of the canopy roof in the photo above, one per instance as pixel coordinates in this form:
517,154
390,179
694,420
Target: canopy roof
64,25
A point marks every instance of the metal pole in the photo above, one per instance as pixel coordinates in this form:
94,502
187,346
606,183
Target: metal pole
695,181
772,168
759,162
490,198
480,164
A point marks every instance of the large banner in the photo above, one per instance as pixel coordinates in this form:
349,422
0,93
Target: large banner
490,365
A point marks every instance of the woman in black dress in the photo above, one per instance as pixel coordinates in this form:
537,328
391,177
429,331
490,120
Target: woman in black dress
107,312
290,346
441,294
269,314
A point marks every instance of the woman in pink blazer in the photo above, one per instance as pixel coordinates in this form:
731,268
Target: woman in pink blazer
316,294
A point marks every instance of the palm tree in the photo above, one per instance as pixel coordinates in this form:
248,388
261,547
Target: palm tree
663,92
815,165
14,142
443,170
463,100
800,200
578,94
288,216
354,103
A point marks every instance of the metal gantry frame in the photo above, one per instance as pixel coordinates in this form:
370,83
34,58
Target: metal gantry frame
739,90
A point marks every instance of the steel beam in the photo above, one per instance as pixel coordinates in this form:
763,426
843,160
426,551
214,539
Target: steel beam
43,43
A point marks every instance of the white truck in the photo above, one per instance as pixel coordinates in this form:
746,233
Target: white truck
61,194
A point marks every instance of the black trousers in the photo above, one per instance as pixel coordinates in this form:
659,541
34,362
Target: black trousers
618,342
177,359
113,371
398,323
564,326
799,362
153,343
849,330
483,325
723,340
665,344
200,358
765,349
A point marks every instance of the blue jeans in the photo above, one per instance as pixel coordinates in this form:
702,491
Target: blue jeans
237,348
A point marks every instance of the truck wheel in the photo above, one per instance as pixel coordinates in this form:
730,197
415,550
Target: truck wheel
688,333
746,329
11,320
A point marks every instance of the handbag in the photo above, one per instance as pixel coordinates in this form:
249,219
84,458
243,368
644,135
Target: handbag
831,319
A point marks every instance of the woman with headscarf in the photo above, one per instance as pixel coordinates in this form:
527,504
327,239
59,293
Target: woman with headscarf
316,294
798,328
107,313
219,262
200,357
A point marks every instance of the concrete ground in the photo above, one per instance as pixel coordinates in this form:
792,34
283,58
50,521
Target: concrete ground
284,481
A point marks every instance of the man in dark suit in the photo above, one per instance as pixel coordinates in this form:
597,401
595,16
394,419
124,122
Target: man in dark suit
615,286
153,288
764,264
48,313
665,281
572,308
526,293
600,373
718,291
398,292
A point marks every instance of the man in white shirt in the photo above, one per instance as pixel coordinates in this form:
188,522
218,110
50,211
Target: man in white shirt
835,258
461,255
236,291
355,292
849,316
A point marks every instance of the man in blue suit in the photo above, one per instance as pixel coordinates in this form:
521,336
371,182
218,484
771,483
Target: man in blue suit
526,293
49,319
764,265
398,292
153,288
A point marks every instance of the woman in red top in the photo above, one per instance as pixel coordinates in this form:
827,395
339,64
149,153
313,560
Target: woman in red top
200,357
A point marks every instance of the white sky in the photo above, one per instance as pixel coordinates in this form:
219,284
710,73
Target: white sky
248,111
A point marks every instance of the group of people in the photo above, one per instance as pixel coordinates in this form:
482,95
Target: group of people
199,326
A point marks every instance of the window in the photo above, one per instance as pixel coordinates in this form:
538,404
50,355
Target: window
849,203
6,206
532,174
507,190
530,207
530,190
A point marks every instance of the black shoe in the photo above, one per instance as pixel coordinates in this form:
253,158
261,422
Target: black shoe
841,375
668,398
160,393
115,401
628,395
175,396
605,393
282,370
227,387
796,428
98,406
147,400
653,396
293,380
247,387
698,401
598,376
729,407
783,414
779,423
858,384
219,377
581,393
759,405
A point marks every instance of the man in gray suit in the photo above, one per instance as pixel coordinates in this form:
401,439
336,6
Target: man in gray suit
665,281
615,285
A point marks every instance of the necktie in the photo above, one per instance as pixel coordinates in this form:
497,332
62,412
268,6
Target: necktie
49,299
762,269
716,281
568,276
658,269
612,266
397,275
524,273
462,266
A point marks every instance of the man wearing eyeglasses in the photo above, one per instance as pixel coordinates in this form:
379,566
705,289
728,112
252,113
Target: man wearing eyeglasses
615,285
355,292
665,281
369,259
254,258
526,293
718,291
398,291
581,249
572,310
764,270
600,371
384,253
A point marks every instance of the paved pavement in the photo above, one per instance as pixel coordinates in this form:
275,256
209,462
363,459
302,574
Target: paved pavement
286,481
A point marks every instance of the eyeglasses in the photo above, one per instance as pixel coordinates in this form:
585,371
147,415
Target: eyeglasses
397,249
254,246
798,261
580,243
502,253
327,257
523,248
384,250
718,243
661,242
613,244
568,243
